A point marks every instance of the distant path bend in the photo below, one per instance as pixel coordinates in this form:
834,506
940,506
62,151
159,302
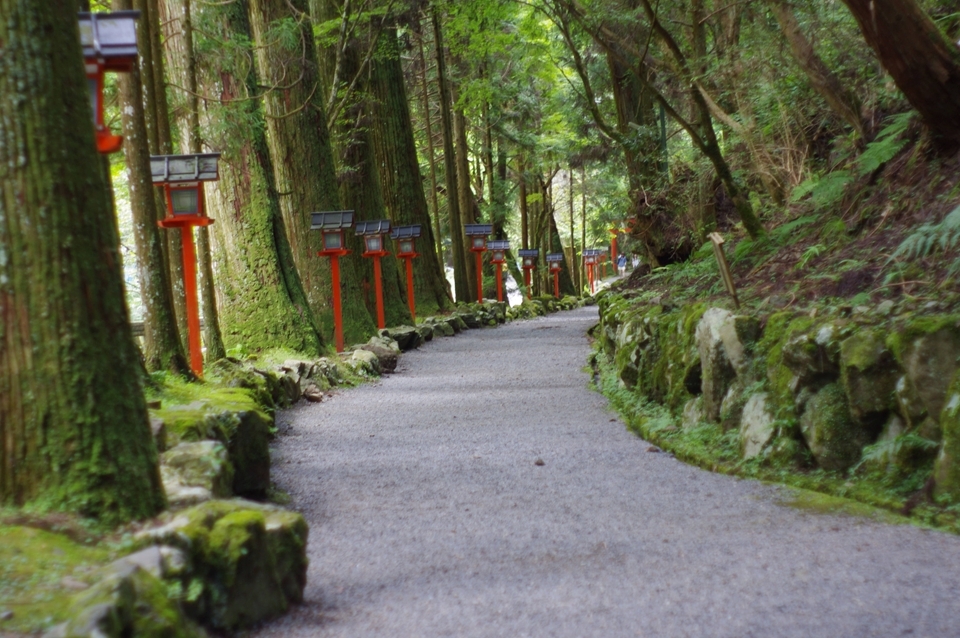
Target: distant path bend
430,517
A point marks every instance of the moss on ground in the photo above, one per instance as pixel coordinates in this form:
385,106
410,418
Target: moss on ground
39,572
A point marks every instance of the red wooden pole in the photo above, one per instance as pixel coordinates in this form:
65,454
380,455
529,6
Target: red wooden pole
337,310
479,277
613,246
556,284
410,300
378,285
499,282
526,280
190,292
590,272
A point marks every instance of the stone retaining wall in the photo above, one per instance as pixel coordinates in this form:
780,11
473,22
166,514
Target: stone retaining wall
798,386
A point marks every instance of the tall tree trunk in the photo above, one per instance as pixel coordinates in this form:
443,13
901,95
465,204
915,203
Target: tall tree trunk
396,155
432,162
212,339
358,173
74,431
163,349
573,263
524,203
261,297
303,165
163,145
922,62
465,199
823,80
461,281
565,280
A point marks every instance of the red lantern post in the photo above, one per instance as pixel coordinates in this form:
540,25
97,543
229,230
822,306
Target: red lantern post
590,259
529,257
332,226
372,233
109,42
499,248
615,231
478,244
406,237
555,259
182,178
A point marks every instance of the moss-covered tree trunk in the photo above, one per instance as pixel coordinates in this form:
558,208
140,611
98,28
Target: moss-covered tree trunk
357,172
396,155
461,283
162,347
565,280
261,299
465,199
74,433
303,164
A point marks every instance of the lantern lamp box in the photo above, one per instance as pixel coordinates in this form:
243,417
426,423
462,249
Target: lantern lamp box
181,177
499,247
110,39
554,257
332,225
372,233
478,229
405,232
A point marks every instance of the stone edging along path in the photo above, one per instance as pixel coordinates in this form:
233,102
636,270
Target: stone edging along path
485,490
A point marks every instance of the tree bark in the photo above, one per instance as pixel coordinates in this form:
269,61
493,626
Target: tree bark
465,199
303,165
163,349
260,295
922,62
462,284
396,155
74,431
357,168
163,145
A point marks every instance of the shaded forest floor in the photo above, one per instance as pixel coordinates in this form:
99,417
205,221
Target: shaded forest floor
889,237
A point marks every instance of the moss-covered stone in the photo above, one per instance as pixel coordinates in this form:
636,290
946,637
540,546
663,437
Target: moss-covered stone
869,376
251,558
831,434
947,469
196,471
126,602
718,372
928,349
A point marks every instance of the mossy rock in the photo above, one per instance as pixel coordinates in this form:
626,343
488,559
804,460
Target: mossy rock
717,370
196,471
251,558
233,417
833,437
869,376
407,337
231,373
126,602
947,468
928,349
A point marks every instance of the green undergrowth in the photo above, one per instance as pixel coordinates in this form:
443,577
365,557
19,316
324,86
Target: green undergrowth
39,571
710,447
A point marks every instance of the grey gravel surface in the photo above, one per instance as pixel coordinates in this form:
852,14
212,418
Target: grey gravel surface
430,516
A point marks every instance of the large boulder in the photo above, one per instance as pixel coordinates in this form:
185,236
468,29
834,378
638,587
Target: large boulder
250,557
196,471
833,437
717,370
757,428
869,376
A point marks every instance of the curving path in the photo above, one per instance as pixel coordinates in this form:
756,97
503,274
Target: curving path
430,516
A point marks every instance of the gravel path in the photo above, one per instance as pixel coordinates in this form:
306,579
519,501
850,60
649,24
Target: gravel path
430,515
